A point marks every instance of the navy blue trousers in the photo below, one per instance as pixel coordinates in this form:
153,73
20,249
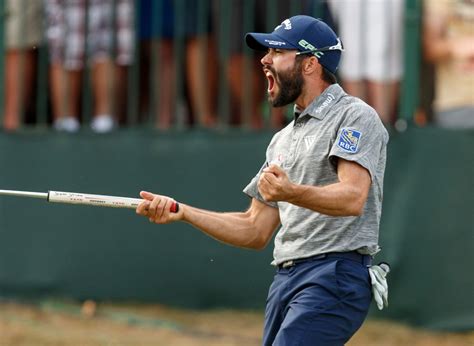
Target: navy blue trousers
319,301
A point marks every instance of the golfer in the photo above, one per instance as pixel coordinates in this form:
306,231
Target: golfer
320,186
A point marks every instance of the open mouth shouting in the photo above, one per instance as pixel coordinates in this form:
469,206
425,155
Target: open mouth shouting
283,87
271,82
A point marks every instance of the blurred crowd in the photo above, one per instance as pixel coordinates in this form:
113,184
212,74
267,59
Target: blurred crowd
110,63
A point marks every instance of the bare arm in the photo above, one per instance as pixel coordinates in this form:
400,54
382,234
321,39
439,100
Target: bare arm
344,198
250,229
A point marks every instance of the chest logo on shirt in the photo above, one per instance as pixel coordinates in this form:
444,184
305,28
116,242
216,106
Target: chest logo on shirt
349,140
309,141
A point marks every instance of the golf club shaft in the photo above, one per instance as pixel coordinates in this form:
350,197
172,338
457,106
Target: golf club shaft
42,195
83,199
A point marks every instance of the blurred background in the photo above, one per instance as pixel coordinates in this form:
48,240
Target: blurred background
118,96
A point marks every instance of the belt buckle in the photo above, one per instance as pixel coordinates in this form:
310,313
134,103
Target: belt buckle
288,264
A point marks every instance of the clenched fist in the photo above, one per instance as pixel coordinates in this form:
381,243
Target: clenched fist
274,185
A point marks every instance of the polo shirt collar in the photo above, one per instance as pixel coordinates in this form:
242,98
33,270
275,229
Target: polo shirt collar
321,105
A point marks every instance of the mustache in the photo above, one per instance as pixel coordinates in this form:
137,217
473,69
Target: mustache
269,68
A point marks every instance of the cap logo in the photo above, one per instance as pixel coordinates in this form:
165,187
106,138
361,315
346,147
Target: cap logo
286,23
308,46
275,43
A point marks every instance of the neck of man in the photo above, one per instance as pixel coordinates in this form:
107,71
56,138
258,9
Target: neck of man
312,89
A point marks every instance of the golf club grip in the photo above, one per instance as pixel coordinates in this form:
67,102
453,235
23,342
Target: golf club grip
99,200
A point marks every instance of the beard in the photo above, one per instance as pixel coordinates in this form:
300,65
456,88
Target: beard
290,85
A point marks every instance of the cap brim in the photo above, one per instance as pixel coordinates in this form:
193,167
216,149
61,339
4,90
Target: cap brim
259,41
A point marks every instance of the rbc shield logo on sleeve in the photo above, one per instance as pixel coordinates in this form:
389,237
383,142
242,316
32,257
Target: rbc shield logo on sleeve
349,140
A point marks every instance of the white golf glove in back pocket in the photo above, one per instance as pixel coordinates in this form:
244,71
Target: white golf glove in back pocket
378,277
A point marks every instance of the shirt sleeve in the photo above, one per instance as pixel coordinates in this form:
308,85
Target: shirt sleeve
360,138
251,189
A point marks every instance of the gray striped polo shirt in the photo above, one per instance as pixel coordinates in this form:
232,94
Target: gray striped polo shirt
335,125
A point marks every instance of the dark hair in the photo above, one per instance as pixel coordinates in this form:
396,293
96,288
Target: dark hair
328,76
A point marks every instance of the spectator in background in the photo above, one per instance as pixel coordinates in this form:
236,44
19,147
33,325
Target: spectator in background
158,65
158,19
22,36
448,40
236,64
371,67
70,42
201,61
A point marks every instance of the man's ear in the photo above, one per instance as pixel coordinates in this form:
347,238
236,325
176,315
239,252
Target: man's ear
310,65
